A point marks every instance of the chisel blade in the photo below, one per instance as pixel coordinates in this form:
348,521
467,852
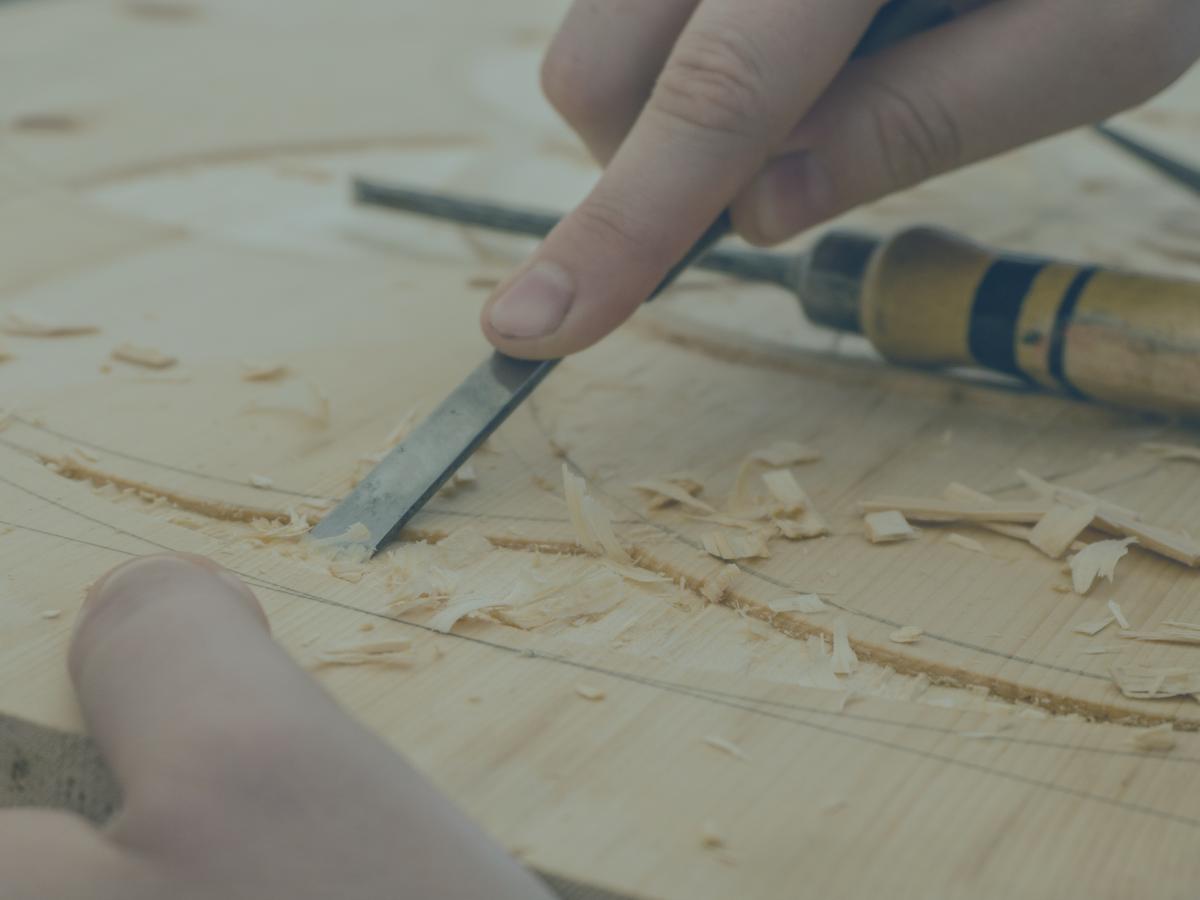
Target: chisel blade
418,466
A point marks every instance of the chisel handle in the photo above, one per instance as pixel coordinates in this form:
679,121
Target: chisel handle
931,298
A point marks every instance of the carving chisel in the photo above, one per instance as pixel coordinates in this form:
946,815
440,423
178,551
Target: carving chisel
418,466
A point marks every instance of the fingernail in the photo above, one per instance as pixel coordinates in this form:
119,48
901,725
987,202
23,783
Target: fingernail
535,304
795,193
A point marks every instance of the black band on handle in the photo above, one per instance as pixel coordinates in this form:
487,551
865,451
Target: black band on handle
998,301
1056,362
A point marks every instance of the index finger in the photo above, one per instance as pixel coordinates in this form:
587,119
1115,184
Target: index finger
736,81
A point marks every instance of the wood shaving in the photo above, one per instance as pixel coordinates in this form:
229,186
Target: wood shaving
1156,683
592,524
710,837
810,525
1174,451
726,746
263,371
377,653
463,547
799,603
777,455
269,530
965,543
1057,530
814,645
1098,560
1122,521
960,493
1164,635
146,357
716,586
908,634
1187,626
886,526
784,453
51,613
669,491
730,521
790,497
18,325
1118,614
1159,739
727,546
1171,544
935,510
1072,496
261,481
587,692
1091,629
347,571
557,607
843,658
447,618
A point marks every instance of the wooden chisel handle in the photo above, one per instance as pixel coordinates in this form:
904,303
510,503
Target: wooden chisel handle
930,298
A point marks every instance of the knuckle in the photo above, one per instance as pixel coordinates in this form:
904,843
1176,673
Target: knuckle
609,225
579,86
917,137
714,82
1166,37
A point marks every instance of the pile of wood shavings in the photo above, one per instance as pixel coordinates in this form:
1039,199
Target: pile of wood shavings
465,577
1053,521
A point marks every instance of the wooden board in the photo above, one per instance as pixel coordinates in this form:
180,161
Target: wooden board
221,233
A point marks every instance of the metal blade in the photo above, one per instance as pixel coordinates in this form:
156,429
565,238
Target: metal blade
1169,167
419,465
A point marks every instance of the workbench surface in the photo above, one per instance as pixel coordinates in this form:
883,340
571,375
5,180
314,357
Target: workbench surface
176,174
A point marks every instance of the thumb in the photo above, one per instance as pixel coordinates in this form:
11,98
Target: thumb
738,78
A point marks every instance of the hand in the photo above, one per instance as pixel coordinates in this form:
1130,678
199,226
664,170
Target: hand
699,105
241,777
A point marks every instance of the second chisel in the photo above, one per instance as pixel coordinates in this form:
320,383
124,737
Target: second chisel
927,297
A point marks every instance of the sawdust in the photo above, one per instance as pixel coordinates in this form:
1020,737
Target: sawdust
80,470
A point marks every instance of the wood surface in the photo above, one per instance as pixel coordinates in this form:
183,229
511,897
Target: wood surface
177,176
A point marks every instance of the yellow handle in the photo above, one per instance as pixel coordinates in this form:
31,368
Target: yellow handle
930,298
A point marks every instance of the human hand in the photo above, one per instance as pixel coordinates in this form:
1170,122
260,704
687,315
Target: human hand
241,777
695,106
